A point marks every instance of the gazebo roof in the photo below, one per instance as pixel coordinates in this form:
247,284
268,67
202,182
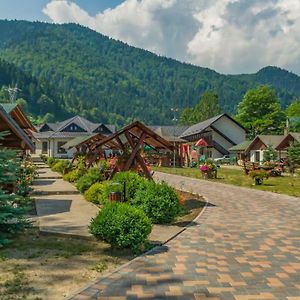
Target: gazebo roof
136,129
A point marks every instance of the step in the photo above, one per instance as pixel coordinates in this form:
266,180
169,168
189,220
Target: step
53,187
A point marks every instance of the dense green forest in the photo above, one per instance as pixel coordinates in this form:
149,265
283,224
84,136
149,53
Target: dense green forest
69,69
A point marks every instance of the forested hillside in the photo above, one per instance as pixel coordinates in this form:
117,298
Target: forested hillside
106,80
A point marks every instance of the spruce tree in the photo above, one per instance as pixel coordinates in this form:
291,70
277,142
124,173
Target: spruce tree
12,206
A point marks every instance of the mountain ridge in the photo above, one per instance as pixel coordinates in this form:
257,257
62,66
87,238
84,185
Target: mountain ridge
99,77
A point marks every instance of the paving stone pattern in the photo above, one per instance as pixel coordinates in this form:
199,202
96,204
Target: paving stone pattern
245,246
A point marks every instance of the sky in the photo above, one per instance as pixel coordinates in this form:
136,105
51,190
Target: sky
229,36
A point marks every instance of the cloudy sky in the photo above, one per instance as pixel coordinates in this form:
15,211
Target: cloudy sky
230,36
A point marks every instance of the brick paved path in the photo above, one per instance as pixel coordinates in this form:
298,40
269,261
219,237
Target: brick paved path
246,245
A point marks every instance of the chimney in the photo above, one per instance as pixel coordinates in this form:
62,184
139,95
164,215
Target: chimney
286,128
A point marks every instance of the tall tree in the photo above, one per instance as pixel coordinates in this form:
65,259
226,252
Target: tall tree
293,113
207,107
260,112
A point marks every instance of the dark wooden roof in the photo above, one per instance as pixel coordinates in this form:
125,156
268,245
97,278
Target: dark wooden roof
16,137
19,116
135,129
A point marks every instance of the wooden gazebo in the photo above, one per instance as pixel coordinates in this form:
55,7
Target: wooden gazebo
131,140
14,136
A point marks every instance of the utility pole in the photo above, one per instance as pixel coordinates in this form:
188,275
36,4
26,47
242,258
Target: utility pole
13,92
174,110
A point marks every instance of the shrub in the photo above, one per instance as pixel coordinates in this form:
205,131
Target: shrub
122,226
159,201
133,182
259,176
98,192
73,176
89,179
51,161
61,165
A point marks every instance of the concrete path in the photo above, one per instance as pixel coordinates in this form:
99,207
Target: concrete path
61,209
245,246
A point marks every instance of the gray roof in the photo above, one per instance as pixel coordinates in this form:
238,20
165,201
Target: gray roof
199,127
241,147
169,132
56,129
271,140
295,135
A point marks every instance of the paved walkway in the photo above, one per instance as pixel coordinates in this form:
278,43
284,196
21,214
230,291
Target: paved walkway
245,246
60,207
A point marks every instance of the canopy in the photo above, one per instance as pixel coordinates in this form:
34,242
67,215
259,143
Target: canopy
132,137
202,143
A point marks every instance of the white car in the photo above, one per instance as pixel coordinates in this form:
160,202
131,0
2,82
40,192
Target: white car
224,159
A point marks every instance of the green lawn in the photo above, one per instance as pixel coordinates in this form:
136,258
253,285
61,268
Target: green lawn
283,185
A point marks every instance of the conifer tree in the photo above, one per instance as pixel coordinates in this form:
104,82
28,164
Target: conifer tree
12,206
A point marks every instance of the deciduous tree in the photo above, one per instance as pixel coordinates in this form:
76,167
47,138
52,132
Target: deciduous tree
260,112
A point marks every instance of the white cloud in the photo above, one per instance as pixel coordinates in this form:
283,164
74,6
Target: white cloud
231,36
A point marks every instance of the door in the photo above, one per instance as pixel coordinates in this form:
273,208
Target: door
45,148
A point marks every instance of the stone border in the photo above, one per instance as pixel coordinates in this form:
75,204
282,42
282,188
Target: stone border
149,252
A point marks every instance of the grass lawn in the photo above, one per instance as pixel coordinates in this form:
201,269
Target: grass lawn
47,267
283,185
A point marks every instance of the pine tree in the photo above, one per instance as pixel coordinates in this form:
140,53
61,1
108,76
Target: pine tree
12,206
294,156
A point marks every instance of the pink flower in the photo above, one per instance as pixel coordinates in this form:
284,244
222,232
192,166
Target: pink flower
204,168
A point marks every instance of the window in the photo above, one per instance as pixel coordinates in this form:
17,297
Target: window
257,156
44,147
60,149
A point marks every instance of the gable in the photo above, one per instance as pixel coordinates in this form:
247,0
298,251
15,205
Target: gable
102,129
45,128
73,128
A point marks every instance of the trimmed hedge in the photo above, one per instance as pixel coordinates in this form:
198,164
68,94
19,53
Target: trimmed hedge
133,182
98,193
85,182
159,201
122,226
51,161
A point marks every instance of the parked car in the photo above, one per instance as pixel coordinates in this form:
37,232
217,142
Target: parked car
223,160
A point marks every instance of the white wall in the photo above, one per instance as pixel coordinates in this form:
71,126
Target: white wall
230,129
221,140
253,155
52,148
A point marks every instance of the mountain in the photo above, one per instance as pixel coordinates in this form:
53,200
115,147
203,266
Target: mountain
103,79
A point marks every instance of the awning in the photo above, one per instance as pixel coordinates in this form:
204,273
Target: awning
202,143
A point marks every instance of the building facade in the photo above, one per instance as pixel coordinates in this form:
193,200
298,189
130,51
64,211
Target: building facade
220,133
50,137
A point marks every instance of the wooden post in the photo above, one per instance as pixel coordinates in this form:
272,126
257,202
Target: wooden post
138,157
135,149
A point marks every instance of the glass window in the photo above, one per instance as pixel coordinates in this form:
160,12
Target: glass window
59,147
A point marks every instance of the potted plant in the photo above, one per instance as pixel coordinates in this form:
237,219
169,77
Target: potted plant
209,170
259,176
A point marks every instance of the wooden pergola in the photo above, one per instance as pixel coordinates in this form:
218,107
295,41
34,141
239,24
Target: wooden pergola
132,137
15,137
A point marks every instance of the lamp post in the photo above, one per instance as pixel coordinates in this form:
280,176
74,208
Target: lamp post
174,110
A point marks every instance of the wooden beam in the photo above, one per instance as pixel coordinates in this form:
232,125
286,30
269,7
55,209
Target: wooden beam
135,148
139,157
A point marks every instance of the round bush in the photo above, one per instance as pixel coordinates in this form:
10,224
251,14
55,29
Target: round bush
89,179
133,182
98,193
122,226
159,201
73,176
61,165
